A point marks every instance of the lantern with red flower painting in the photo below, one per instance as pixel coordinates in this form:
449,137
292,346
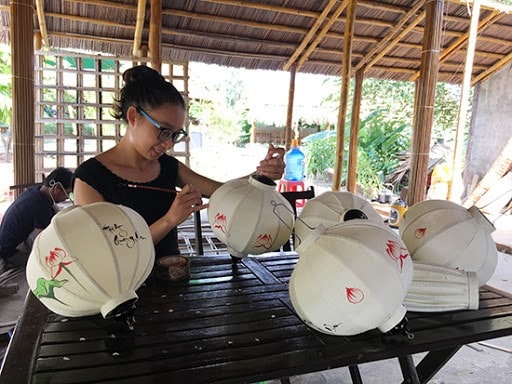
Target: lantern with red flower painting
445,234
250,216
350,278
90,260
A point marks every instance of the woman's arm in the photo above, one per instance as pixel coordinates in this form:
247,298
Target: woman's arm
83,193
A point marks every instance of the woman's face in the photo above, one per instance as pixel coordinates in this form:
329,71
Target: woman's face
144,135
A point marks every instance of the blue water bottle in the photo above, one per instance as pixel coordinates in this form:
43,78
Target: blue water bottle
294,160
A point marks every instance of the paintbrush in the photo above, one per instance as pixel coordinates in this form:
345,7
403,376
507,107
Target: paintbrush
149,188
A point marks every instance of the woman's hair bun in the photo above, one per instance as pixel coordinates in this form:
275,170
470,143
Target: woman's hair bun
141,73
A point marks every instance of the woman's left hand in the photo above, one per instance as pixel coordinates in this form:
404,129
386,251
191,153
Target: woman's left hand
272,165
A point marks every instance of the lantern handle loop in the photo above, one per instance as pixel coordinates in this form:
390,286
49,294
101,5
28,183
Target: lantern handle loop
274,210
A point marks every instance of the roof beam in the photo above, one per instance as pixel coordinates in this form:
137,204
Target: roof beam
393,37
312,31
322,33
42,22
139,27
489,19
496,67
486,4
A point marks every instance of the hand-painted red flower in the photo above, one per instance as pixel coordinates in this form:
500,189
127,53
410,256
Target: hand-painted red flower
354,295
420,232
220,222
56,260
264,241
397,253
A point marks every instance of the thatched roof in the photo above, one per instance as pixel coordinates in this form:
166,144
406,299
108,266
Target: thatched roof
273,34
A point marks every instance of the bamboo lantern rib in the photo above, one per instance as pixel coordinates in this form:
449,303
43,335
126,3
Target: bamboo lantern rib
155,34
490,19
289,113
496,67
389,41
354,133
309,35
322,33
139,27
345,85
463,106
22,65
424,101
42,21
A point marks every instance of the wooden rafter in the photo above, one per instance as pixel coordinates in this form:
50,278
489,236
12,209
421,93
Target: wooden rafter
155,34
311,33
496,67
393,37
139,27
42,22
460,42
322,33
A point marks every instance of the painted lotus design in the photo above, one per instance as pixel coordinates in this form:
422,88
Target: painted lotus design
420,232
354,295
57,261
264,240
397,253
221,222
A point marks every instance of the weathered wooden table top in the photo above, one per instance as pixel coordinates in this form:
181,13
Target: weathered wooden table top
231,323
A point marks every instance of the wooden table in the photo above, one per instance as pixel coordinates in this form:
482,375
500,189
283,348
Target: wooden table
231,323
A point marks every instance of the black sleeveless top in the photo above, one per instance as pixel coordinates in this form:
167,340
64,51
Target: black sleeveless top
150,204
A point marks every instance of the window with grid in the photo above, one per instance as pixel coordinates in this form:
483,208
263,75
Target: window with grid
74,94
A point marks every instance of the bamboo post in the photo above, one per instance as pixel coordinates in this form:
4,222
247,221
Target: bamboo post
139,28
289,114
424,101
22,64
155,34
346,68
42,21
455,181
354,133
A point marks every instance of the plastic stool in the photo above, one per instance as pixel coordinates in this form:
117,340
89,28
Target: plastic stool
292,186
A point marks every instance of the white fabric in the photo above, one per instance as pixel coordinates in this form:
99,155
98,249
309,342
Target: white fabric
439,289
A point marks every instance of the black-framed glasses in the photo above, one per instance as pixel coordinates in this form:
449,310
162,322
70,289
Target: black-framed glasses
164,133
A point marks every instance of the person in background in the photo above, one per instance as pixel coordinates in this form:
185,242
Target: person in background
29,214
131,172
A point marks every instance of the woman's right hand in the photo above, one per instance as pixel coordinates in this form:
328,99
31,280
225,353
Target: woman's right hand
187,201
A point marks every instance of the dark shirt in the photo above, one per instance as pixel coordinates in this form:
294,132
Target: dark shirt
31,210
150,204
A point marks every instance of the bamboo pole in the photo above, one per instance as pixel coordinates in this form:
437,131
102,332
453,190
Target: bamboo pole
289,114
354,133
490,19
346,69
424,103
139,27
496,67
393,36
22,65
42,21
312,31
320,36
454,185
499,168
155,34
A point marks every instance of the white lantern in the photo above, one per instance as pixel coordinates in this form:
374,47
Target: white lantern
331,208
250,216
90,260
440,289
443,233
350,278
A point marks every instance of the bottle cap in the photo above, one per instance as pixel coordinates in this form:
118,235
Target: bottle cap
295,143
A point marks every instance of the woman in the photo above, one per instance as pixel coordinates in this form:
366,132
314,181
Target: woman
155,113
